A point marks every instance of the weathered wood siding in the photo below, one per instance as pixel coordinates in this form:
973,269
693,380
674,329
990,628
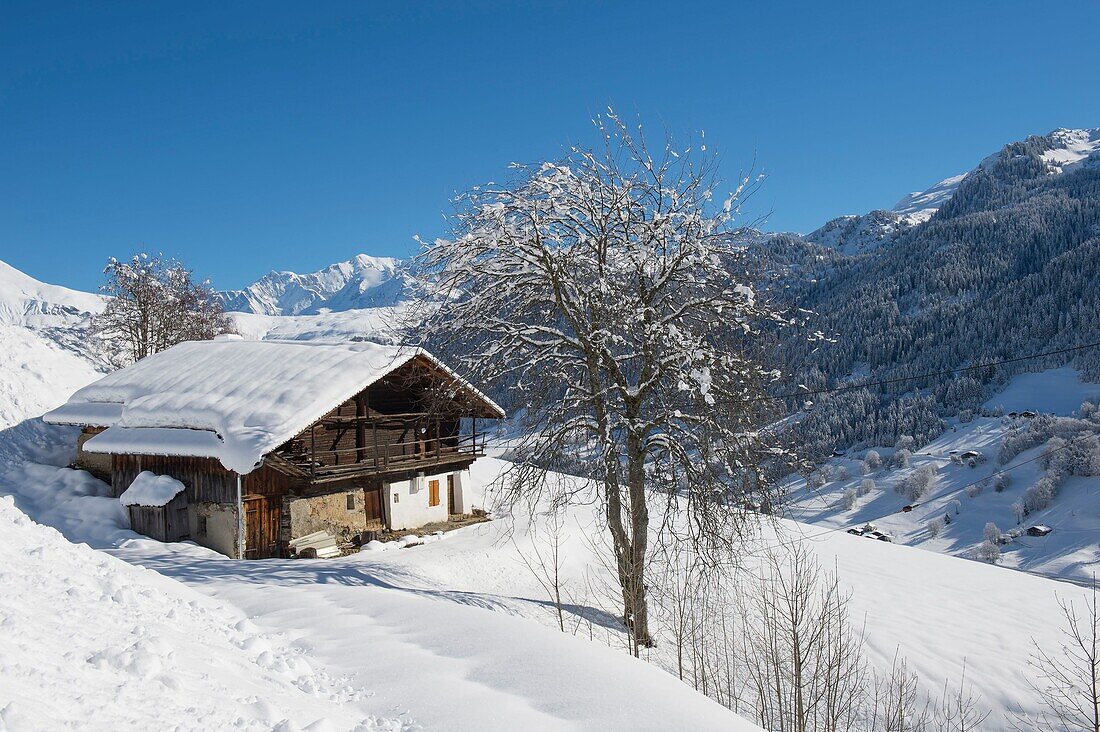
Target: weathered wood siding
205,478
267,481
163,523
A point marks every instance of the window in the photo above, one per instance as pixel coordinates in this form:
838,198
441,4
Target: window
202,526
433,493
351,501
397,498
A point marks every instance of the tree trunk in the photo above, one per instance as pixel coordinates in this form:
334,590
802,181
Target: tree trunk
630,548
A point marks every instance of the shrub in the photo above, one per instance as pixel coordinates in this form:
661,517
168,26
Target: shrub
936,526
987,552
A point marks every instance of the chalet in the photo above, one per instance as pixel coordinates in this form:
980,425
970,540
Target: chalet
272,441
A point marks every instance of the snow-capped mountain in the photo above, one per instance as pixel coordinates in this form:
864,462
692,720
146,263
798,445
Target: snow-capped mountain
919,206
26,301
1057,152
361,282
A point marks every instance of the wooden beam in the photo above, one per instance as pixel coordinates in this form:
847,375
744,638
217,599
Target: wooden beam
360,426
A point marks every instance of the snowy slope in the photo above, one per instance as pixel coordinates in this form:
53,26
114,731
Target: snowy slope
361,282
1071,552
360,640
1069,148
455,623
919,206
26,301
41,362
91,642
37,374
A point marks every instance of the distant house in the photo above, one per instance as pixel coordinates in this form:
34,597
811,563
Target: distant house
972,458
273,441
1039,530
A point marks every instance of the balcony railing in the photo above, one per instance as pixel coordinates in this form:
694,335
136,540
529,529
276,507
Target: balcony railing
379,457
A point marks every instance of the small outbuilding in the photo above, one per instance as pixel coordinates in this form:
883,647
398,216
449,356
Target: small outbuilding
157,505
1039,530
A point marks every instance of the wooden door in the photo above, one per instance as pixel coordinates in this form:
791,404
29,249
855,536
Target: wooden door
372,504
261,526
451,494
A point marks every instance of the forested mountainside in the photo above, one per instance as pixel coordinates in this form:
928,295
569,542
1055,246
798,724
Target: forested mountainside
1008,266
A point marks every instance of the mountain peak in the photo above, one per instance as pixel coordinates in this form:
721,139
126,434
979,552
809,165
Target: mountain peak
360,282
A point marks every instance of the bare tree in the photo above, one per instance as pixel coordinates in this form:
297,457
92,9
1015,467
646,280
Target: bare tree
897,704
1067,678
545,562
154,304
805,661
960,708
606,293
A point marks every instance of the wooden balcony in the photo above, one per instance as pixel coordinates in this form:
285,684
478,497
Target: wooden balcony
417,450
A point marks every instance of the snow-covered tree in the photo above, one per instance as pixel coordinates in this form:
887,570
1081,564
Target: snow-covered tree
988,552
154,304
866,486
917,483
992,534
936,526
872,461
605,292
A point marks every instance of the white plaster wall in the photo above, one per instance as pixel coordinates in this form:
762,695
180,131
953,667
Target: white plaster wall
407,502
463,492
221,526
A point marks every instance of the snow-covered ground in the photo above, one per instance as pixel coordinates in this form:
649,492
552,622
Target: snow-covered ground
1071,552
416,638
374,324
455,633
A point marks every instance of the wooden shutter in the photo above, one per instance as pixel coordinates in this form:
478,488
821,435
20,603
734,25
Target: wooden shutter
433,493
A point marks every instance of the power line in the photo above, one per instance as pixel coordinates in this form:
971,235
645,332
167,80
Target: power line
931,374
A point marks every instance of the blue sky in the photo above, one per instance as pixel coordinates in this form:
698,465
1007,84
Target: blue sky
244,137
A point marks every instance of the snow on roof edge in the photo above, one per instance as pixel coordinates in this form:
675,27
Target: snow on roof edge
95,414
169,441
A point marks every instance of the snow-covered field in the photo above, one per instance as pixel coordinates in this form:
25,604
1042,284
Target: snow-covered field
452,634
417,638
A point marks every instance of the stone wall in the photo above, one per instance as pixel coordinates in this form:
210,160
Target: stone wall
329,513
98,464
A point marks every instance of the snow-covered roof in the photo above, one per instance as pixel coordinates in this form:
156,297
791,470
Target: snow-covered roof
234,400
150,489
